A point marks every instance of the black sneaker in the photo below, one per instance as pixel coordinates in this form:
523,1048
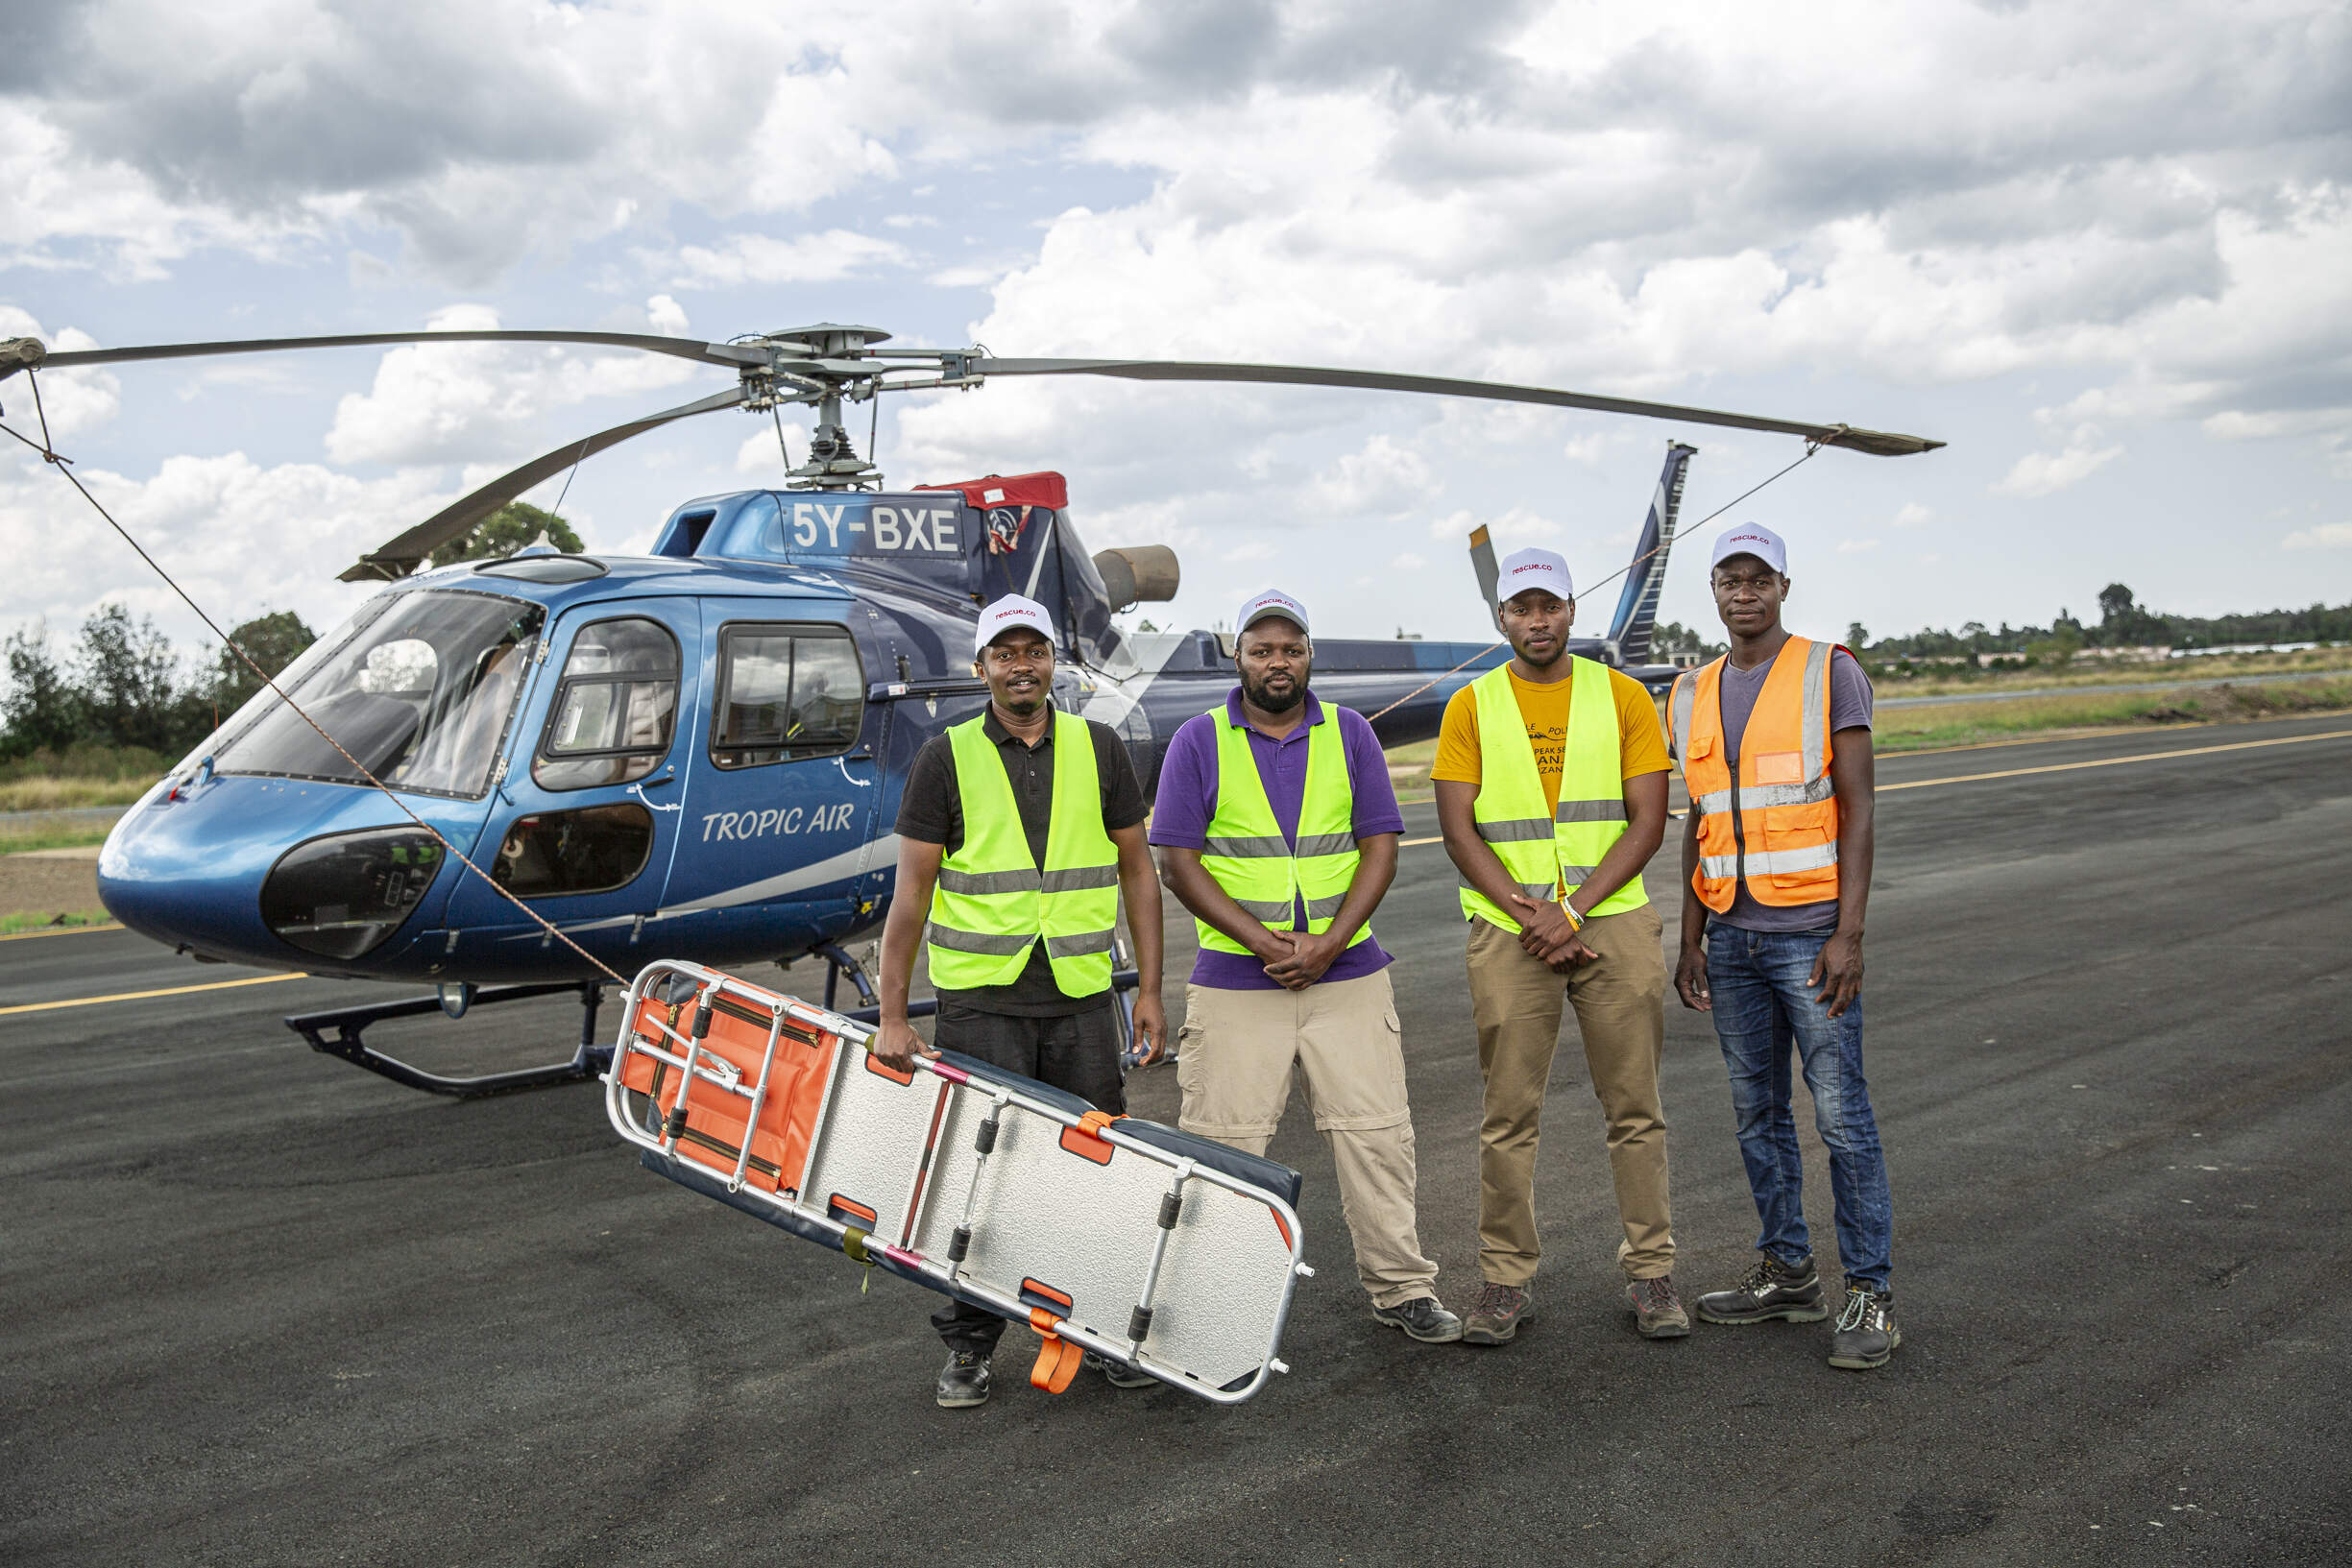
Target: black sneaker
963,1381
1119,1374
1866,1334
1423,1318
1770,1289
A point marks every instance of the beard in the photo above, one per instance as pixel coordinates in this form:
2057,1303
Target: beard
1274,702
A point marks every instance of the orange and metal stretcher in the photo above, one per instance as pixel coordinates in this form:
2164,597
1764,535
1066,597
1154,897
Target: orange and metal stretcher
1143,1243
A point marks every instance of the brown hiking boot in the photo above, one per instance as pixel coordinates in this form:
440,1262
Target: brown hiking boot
1496,1314
1657,1312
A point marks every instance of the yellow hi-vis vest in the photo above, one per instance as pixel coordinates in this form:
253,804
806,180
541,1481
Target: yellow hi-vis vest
1549,853
992,902
1249,857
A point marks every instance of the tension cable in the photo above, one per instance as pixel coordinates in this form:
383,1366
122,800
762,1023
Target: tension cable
65,466
1811,447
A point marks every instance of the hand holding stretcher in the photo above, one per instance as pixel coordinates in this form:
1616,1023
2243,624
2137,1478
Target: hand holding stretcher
1154,1247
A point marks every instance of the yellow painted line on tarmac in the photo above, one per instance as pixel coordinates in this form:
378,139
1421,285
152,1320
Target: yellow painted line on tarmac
141,996
2119,762
61,931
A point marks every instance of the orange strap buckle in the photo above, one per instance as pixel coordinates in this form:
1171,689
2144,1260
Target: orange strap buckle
1058,1359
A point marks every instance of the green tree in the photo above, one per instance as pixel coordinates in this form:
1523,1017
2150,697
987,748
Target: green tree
44,708
505,531
1857,635
274,640
130,686
1672,637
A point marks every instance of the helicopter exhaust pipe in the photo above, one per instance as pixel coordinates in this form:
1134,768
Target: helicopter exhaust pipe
1137,573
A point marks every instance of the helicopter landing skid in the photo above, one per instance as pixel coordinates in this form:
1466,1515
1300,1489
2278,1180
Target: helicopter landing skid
350,1023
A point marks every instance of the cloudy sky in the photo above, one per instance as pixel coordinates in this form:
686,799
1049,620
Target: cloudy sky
2102,249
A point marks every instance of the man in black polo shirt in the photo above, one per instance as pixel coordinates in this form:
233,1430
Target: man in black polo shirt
1029,1024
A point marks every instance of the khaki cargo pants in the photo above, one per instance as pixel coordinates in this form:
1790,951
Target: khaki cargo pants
1620,1012
1235,1057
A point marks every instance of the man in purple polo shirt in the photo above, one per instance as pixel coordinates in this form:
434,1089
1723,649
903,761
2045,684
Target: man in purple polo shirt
1289,973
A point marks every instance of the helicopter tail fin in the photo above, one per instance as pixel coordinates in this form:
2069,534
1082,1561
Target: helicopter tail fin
1638,603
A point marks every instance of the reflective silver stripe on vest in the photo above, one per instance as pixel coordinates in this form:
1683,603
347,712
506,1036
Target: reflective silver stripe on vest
1590,812
1079,946
1326,909
991,947
1574,875
1080,879
1816,708
1266,909
1541,892
1756,797
1325,844
1679,706
988,882
1515,829
1260,846
1770,862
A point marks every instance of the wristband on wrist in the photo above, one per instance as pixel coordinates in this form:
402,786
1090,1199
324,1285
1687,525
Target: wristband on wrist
1576,922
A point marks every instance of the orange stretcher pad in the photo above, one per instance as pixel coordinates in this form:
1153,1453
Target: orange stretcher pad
1141,1243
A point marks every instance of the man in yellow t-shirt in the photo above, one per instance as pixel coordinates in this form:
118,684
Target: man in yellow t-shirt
1611,967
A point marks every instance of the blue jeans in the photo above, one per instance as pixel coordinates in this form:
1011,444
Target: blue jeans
1763,1007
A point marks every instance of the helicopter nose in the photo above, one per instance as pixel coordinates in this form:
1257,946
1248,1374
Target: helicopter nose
276,872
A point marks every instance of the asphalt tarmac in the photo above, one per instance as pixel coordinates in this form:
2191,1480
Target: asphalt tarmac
260,1307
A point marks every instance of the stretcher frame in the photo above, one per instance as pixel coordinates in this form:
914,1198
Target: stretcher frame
693,1062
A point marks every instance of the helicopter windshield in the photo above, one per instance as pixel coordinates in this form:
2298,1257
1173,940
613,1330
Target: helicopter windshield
421,694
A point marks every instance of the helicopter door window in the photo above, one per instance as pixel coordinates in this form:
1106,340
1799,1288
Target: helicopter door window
592,849
616,708
786,693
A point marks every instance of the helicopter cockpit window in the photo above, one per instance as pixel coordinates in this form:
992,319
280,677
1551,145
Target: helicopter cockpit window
616,709
419,696
784,692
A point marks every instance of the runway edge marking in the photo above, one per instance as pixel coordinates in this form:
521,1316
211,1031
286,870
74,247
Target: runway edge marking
2118,761
140,996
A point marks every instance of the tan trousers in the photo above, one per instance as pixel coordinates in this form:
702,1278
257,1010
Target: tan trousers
1620,1011
1235,1057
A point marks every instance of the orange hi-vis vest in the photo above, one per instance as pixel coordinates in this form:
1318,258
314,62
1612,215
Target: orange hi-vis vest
1775,824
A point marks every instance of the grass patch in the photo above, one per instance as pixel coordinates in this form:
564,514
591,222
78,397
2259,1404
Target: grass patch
10,924
1919,728
72,836
2090,674
71,794
1409,769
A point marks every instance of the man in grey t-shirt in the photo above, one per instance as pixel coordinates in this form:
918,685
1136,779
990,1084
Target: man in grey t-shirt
1777,858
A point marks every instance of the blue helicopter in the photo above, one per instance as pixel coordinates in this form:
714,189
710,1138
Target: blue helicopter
698,752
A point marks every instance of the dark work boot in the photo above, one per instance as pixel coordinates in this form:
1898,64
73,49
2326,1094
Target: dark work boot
1657,1312
1497,1313
1119,1374
963,1381
1422,1318
1866,1334
1770,1289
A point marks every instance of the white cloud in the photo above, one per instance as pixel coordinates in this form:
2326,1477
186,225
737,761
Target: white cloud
453,402
1914,516
71,401
1857,546
666,315
761,259
1381,478
2045,474
2326,536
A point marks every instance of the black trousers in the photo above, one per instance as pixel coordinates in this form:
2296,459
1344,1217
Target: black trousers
1078,1053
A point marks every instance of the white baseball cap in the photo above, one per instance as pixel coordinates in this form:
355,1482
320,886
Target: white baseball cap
1756,539
1005,614
1533,567
1272,602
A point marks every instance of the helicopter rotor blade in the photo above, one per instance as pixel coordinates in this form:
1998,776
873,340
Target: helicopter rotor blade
730,354
397,557
1877,443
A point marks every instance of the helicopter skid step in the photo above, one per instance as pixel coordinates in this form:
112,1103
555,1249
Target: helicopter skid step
350,1023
